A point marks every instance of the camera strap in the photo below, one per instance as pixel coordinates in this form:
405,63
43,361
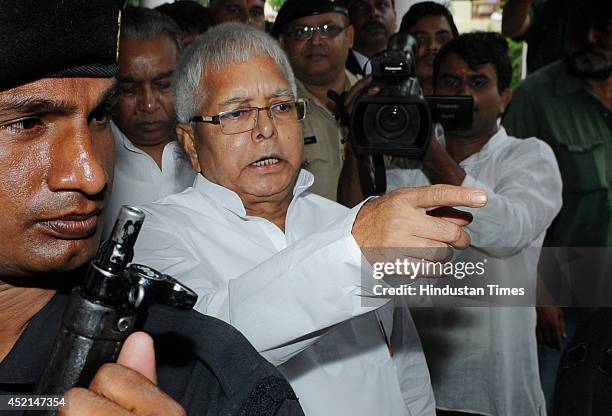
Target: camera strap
376,184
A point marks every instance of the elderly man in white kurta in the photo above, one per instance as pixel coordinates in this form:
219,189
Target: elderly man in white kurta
279,263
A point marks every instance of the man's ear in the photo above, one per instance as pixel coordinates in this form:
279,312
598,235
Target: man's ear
186,137
281,40
506,97
350,34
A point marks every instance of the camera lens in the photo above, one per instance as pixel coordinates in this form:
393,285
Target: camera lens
392,121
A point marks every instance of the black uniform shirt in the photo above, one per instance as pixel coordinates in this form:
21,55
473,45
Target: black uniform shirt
202,362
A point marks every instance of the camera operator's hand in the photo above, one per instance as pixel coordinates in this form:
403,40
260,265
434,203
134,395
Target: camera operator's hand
438,164
403,219
550,328
125,388
347,100
349,187
356,90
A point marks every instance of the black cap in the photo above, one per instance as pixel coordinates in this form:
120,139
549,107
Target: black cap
57,39
294,9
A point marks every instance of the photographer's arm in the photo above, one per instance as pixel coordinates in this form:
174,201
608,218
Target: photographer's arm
524,200
439,166
350,192
349,185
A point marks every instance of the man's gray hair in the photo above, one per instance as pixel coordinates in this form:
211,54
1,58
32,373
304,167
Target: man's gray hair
225,44
141,23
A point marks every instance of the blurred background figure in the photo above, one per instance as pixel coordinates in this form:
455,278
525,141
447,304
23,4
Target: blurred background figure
374,23
541,24
193,18
568,105
432,25
149,161
250,12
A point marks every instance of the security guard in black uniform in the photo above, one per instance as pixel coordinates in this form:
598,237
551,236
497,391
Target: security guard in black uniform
57,63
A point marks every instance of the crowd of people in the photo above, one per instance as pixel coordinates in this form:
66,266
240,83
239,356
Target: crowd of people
232,135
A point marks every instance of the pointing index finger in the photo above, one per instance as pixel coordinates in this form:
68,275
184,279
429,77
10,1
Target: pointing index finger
446,196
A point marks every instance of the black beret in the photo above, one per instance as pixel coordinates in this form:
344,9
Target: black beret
58,38
294,9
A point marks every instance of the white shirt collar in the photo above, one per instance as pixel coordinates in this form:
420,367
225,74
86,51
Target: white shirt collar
230,200
363,61
127,143
490,146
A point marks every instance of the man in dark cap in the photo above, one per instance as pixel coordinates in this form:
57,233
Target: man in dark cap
56,160
317,37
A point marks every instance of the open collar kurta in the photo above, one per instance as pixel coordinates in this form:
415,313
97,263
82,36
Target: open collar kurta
294,295
139,180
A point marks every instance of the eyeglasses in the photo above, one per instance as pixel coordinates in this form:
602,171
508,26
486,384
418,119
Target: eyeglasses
245,119
328,30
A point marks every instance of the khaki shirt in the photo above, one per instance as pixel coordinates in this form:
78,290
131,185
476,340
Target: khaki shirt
323,147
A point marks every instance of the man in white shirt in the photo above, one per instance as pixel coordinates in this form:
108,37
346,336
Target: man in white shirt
484,360
149,162
279,263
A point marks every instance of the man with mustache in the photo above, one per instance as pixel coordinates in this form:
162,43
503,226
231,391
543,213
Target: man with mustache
317,37
149,162
57,89
280,263
374,22
568,104
432,25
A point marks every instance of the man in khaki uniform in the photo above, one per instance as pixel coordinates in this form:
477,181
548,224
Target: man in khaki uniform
317,37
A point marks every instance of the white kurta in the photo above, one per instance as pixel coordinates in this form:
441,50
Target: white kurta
294,295
484,360
138,180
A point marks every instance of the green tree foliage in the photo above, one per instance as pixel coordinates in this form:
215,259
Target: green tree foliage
276,4
515,49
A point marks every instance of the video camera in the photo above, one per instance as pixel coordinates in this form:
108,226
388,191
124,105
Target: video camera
398,120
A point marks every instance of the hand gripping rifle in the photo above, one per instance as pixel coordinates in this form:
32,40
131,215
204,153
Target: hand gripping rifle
101,313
